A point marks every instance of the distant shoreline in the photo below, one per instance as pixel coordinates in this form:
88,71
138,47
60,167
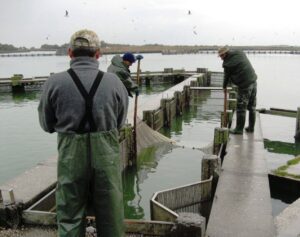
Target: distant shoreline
167,49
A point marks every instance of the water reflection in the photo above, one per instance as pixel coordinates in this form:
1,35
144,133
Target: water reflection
131,195
133,178
155,89
165,167
279,152
160,168
282,147
18,99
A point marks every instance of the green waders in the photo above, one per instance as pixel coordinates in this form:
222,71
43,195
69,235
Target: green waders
89,170
246,100
252,118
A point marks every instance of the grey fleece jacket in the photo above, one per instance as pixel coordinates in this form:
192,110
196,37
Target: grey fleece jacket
62,106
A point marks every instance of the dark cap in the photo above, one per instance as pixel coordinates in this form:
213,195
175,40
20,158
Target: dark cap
129,57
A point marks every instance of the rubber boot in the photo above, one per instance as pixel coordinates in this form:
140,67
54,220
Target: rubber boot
252,117
240,123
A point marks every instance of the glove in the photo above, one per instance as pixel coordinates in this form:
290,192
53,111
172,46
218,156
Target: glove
137,92
139,57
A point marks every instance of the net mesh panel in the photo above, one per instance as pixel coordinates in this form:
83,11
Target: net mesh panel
216,78
207,104
147,137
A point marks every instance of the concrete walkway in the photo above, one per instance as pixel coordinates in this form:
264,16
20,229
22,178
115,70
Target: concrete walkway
242,203
288,221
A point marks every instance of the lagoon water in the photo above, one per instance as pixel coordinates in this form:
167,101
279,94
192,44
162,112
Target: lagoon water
278,74
24,144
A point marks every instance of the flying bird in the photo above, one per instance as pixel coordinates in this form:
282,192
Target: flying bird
67,14
195,33
189,12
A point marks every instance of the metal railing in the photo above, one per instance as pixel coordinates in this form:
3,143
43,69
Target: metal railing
165,205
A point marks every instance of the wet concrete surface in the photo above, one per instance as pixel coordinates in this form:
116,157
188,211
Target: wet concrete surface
287,222
242,203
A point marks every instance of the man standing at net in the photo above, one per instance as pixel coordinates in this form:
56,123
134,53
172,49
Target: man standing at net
120,66
239,71
86,107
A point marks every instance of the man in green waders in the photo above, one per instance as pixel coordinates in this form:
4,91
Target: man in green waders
86,107
120,66
239,71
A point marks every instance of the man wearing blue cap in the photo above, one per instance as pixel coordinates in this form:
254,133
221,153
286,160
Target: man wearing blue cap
120,67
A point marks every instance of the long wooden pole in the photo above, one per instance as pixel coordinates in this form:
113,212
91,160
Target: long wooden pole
225,108
135,116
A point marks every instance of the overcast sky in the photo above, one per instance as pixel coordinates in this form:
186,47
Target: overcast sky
211,22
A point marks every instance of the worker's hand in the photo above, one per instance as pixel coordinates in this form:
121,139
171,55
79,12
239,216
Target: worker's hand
137,92
139,57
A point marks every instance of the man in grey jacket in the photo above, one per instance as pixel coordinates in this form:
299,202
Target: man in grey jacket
86,107
120,66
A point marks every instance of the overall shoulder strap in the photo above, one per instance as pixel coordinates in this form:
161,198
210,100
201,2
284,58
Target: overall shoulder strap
88,97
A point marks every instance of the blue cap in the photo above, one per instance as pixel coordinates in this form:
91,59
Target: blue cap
129,57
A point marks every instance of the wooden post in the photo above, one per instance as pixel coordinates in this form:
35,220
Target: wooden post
194,83
229,113
232,104
138,72
126,146
163,106
201,70
148,118
16,84
211,166
147,79
190,225
179,102
232,95
220,137
168,70
1,200
225,109
135,114
208,78
297,134
200,81
187,95
228,118
167,110
12,196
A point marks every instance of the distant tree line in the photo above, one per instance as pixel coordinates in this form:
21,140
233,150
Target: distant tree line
108,48
10,48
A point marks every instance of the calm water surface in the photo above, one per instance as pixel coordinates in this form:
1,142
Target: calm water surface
24,144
